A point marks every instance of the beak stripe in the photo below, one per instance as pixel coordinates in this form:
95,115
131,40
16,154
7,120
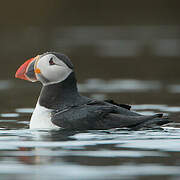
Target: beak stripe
30,74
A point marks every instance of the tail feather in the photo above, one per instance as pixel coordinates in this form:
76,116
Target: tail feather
156,122
134,122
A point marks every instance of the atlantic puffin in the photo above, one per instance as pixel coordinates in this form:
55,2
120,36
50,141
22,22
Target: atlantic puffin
61,106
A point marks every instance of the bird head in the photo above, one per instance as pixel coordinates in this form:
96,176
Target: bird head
48,68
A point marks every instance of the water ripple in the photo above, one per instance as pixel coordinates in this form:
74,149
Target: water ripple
129,85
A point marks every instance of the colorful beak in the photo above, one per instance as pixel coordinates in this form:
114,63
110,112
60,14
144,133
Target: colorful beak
27,70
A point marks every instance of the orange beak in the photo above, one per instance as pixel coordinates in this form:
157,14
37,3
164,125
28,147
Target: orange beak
27,70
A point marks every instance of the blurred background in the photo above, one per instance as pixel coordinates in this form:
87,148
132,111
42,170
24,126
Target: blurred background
127,50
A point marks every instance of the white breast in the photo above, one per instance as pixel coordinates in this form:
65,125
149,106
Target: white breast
41,118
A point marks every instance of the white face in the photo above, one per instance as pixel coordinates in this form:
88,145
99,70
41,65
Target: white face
52,70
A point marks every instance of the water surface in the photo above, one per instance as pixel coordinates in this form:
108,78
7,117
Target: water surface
108,154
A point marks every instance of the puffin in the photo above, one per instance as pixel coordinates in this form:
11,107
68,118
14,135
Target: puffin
60,105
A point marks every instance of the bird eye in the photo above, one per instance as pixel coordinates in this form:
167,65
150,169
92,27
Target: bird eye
51,62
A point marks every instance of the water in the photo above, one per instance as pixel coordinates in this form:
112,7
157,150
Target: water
104,154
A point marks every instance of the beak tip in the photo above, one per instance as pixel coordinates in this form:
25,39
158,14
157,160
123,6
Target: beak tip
16,75
20,76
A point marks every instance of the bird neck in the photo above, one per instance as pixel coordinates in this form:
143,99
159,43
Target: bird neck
60,95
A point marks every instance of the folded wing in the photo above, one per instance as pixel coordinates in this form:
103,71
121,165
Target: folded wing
98,116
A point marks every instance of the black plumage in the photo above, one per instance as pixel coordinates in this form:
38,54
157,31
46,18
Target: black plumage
73,111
